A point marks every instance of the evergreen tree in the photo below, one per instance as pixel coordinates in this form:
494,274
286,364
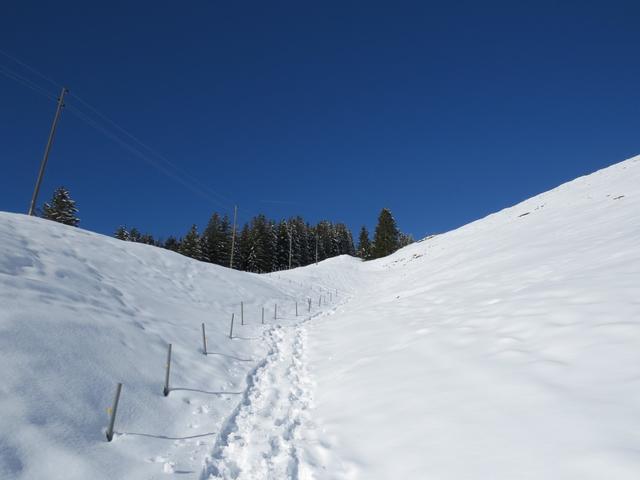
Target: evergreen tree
191,246
282,247
312,237
135,235
122,233
242,249
299,242
261,246
61,208
364,245
148,239
325,244
344,240
224,241
172,244
386,239
262,252
405,239
211,240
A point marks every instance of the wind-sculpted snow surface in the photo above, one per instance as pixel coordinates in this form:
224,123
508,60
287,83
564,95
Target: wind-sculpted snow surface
506,349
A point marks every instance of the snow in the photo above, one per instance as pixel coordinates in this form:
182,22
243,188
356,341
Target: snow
508,348
82,312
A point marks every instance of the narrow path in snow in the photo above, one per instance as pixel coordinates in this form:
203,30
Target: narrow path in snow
258,439
270,434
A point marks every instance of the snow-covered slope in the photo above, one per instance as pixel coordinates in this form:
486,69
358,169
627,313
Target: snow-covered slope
509,348
81,312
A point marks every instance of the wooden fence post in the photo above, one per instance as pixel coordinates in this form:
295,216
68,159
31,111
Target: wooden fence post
231,331
113,412
167,372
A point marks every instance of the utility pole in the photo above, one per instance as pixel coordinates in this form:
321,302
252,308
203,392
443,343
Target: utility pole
316,248
43,165
233,236
290,237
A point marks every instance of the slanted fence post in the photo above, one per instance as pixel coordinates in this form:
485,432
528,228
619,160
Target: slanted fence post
296,308
113,412
263,315
241,313
309,304
275,312
204,340
167,372
231,331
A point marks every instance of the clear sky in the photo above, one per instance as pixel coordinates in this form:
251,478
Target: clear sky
441,111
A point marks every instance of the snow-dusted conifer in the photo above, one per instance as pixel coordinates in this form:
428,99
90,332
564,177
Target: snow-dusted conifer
386,238
61,208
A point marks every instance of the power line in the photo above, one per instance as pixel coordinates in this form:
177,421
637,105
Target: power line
152,151
78,113
30,68
184,178
13,75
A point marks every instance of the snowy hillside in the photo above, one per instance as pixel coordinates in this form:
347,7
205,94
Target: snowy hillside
82,312
509,348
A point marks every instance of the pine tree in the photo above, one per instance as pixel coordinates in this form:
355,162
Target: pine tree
261,246
282,247
242,249
405,239
224,241
121,233
386,238
135,235
211,240
344,240
364,245
190,245
172,244
61,208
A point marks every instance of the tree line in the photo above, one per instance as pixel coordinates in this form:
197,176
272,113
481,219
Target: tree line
260,245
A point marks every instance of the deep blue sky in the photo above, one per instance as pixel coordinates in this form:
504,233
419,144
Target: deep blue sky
443,112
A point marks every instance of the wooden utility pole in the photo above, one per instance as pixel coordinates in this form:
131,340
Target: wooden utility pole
316,248
43,164
233,236
290,242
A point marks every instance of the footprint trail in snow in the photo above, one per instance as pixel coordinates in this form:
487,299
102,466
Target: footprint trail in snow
260,440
